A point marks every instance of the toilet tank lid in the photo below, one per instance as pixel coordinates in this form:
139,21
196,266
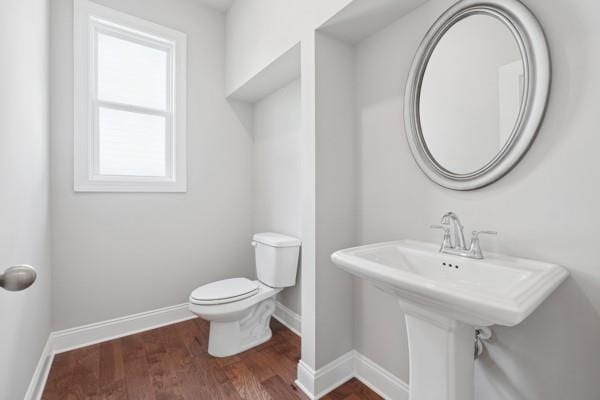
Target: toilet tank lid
276,239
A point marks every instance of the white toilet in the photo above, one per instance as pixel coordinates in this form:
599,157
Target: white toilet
239,310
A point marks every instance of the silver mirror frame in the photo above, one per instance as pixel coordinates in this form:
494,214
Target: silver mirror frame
536,57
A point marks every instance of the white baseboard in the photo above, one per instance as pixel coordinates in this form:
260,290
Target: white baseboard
86,335
288,318
305,379
316,384
40,375
380,380
69,339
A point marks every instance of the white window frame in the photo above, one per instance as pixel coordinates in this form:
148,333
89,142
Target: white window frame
90,19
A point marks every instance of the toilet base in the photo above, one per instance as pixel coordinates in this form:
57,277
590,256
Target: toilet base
230,338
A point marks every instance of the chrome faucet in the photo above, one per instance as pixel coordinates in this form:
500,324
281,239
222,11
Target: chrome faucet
451,220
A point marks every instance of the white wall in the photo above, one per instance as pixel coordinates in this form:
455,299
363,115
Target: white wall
308,157
335,194
277,171
259,31
118,254
546,208
25,316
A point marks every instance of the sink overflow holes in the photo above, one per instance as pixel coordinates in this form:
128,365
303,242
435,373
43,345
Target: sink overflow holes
450,265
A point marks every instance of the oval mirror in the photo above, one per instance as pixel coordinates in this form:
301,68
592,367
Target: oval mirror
477,92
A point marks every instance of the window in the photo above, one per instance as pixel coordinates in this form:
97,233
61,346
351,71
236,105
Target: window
130,103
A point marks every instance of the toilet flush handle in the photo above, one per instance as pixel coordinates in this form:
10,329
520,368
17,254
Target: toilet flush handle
253,243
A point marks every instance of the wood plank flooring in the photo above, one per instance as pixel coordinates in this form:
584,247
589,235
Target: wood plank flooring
172,363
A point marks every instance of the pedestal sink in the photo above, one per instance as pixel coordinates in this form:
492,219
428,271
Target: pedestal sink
444,298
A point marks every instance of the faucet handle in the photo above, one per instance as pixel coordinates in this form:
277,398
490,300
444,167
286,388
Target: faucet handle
475,248
447,241
477,233
445,228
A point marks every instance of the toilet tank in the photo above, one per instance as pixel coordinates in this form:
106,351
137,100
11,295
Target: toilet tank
276,257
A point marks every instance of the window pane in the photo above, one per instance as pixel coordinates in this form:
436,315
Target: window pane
131,73
131,143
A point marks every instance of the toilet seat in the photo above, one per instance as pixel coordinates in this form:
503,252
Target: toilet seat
224,291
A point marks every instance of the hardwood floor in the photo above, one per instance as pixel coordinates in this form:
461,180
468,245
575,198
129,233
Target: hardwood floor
172,363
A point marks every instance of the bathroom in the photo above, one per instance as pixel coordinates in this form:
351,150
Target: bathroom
292,117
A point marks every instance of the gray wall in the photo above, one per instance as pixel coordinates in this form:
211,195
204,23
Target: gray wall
24,239
118,254
277,171
335,194
259,31
544,209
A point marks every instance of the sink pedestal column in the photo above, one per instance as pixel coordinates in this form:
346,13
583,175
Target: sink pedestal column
441,357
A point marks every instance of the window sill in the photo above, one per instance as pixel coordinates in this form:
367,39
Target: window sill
130,187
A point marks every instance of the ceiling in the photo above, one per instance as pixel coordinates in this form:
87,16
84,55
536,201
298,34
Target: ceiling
221,5
362,18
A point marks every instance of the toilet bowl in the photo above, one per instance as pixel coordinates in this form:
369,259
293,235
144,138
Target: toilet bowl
237,325
239,309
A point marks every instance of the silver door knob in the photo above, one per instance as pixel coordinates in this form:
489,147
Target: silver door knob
17,278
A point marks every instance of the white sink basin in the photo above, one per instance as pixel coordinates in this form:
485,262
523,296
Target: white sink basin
444,298
496,290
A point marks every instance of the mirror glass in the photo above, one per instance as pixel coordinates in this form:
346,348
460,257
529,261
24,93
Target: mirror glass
471,93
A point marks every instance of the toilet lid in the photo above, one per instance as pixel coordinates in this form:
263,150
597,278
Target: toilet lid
225,291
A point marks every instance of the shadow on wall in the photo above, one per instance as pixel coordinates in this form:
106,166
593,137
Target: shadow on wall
511,370
243,112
